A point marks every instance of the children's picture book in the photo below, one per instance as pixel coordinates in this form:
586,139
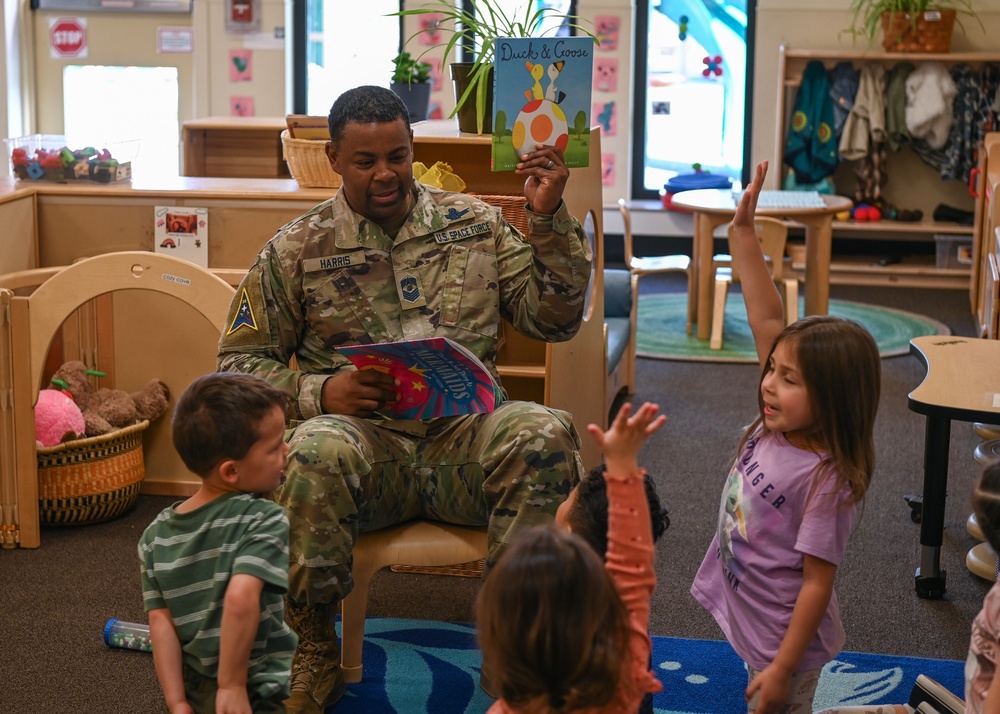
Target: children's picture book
542,90
438,377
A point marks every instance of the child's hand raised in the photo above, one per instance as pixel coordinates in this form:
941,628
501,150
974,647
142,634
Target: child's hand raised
623,439
748,202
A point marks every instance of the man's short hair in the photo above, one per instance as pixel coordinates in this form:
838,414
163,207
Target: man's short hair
365,105
218,417
589,517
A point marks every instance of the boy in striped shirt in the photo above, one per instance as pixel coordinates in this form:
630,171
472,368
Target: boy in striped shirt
215,567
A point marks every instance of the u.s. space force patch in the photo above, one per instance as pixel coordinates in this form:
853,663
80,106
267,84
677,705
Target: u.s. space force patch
247,320
458,233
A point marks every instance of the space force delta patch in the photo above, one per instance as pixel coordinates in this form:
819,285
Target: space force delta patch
247,321
452,234
332,262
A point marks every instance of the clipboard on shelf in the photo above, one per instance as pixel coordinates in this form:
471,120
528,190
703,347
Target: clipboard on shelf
303,126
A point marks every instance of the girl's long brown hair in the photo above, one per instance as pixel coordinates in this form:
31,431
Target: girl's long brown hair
551,625
842,370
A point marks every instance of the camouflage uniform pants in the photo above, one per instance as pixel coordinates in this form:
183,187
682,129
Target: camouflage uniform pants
509,470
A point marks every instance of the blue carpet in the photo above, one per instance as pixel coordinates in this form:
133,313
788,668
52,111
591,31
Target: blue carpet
425,666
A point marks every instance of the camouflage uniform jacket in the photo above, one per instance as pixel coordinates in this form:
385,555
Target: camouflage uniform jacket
333,278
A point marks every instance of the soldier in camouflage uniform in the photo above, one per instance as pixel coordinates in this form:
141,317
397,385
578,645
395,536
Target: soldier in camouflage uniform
390,259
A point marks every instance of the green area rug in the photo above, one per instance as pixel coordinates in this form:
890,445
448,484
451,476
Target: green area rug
662,331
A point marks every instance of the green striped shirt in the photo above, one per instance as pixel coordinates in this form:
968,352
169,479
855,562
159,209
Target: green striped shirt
187,561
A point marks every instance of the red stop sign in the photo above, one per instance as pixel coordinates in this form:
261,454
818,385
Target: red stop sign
68,37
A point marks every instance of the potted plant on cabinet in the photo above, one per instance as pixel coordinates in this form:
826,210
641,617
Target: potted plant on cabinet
480,28
910,25
411,81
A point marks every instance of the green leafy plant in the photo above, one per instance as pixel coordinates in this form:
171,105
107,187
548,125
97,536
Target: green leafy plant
480,28
867,18
407,69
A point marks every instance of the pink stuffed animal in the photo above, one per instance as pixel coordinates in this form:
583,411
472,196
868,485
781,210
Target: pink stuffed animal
57,418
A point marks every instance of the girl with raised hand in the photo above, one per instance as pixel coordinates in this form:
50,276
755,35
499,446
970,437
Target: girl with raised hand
790,499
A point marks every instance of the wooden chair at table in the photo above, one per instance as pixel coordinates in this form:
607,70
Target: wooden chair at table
416,543
773,235
649,265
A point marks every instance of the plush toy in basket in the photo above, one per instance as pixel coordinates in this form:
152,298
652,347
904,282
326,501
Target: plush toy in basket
97,477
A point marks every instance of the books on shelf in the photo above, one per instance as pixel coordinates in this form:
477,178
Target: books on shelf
438,377
542,88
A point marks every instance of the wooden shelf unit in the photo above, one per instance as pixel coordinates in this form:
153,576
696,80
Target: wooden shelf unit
922,188
234,147
984,288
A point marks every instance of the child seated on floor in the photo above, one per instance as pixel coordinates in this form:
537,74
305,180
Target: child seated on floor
215,567
561,631
585,512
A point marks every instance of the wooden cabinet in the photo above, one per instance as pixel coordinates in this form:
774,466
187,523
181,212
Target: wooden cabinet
233,147
567,375
984,288
910,247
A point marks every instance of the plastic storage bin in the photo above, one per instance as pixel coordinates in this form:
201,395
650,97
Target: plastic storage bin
48,157
691,182
953,251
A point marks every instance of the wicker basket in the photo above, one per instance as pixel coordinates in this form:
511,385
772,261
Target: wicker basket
308,163
511,207
931,32
90,480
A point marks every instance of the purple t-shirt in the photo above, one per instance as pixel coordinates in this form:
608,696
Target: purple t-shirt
773,512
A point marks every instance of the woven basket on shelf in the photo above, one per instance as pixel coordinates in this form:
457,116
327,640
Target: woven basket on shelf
308,163
930,32
90,480
511,207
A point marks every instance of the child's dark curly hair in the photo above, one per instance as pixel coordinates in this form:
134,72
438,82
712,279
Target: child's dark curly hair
589,516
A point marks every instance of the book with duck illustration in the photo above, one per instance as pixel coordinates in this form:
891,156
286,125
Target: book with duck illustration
542,90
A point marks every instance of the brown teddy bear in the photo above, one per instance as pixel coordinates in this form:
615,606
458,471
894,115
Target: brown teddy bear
106,410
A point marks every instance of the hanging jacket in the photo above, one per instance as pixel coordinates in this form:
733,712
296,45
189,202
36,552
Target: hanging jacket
810,148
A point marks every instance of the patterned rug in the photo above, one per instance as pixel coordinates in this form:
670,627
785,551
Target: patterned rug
662,329
425,666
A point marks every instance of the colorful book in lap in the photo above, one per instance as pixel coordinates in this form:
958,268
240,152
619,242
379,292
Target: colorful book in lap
542,90
438,377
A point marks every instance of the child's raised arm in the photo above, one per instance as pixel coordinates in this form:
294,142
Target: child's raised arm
623,439
764,309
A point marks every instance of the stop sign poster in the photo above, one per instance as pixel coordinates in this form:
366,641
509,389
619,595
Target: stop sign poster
68,37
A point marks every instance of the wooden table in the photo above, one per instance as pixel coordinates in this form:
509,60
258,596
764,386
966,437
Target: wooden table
715,207
962,382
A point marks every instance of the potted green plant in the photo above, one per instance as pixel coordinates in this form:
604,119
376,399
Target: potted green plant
411,80
910,25
480,28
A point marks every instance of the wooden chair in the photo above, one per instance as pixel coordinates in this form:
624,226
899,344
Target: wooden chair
657,264
417,543
27,327
773,234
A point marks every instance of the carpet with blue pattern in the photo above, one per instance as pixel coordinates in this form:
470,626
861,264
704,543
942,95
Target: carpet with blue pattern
426,666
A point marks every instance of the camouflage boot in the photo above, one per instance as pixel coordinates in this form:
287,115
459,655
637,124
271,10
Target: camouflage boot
317,682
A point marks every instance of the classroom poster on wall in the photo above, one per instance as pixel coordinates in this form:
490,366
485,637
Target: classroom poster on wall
606,28
181,231
240,65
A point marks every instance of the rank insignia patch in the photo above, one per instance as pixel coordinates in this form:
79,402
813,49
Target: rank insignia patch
244,315
409,289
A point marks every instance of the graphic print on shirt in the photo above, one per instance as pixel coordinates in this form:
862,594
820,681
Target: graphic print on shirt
749,496
731,518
